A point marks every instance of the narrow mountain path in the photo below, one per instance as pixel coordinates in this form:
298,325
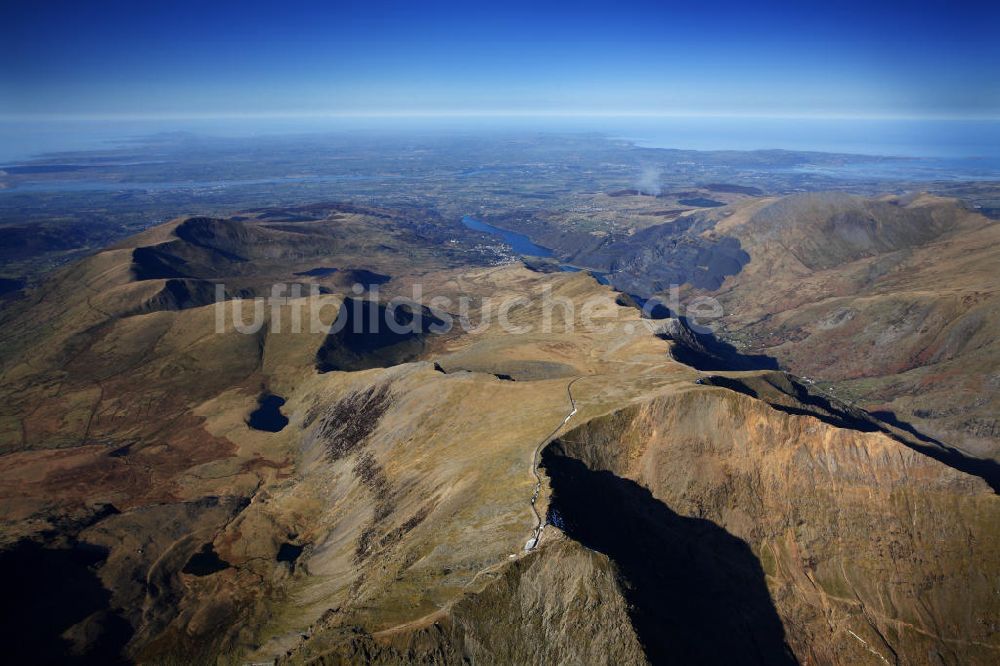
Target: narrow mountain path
529,546
539,518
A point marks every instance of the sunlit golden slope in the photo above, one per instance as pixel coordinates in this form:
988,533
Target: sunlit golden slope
391,519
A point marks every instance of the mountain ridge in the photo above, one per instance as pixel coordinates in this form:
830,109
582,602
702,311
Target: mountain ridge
386,518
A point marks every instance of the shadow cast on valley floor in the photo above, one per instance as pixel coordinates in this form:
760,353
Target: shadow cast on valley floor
702,350
47,591
715,354
697,593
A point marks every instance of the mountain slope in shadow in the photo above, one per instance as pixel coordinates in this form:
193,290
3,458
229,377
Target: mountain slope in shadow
697,593
368,335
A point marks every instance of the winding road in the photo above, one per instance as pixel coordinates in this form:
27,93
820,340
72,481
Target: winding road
539,519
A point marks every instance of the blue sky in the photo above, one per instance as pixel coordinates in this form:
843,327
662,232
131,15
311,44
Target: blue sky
189,59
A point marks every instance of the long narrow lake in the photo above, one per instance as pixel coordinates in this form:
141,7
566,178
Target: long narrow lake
519,242
523,246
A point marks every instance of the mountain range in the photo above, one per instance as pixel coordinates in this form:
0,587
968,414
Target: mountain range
813,480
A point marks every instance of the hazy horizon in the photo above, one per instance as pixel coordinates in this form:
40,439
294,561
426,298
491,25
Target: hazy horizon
24,140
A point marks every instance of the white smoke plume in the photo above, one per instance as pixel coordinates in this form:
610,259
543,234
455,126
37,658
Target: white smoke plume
649,181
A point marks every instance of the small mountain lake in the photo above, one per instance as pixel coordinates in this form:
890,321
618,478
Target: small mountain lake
268,416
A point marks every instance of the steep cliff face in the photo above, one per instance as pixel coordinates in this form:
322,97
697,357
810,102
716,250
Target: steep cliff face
868,550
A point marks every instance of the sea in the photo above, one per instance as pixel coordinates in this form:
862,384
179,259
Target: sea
961,148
